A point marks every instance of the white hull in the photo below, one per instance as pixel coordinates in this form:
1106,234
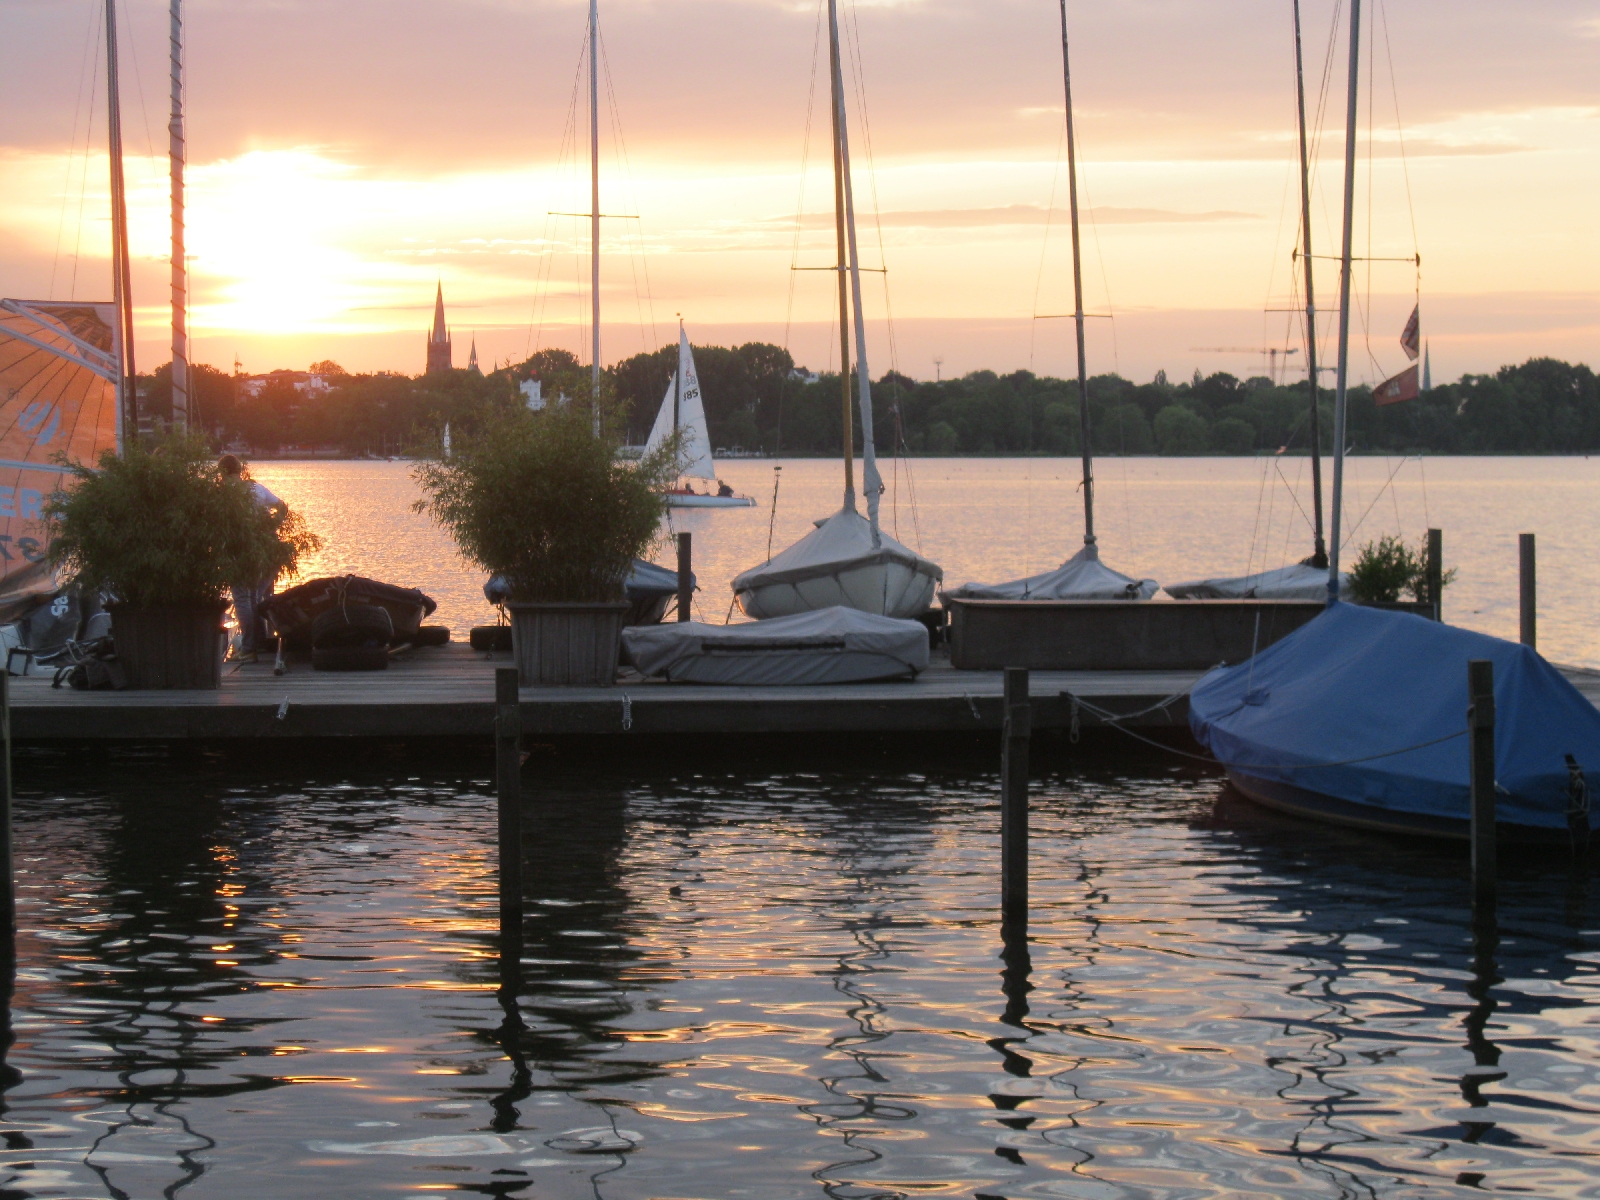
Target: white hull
680,501
890,589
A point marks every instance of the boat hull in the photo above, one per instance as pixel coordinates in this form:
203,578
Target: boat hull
1299,802
676,500
888,589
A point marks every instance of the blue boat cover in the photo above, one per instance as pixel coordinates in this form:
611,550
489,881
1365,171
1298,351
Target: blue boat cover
1359,682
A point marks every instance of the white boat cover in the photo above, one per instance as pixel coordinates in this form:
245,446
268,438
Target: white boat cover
832,645
1081,577
683,394
1298,581
837,563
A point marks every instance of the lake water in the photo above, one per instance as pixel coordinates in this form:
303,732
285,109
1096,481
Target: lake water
1169,519
748,979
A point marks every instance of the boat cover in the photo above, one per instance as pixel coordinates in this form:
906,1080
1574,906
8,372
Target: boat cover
843,542
645,582
1358,682
831,645
1298,581
1081,577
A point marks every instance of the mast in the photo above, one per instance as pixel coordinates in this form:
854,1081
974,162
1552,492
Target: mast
180,279
594,208
1077,297
677,380
121,277
1339,398
1319,552
836,89
871,484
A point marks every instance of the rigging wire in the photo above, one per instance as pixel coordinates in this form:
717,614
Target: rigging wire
544,278
91,40
637,258
800,201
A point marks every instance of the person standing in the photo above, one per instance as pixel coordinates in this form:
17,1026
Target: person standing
250,595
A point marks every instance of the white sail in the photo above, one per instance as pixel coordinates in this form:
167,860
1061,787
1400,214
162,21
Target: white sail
683,409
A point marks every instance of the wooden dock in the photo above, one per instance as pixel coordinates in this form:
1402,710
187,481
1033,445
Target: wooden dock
449,692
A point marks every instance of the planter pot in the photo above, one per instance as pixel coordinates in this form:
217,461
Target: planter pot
1417,608
566,645
169,647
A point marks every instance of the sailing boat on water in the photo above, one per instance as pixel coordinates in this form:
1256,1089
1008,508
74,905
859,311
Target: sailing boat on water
683,413
847,560
1307,579
1359,718
1083,576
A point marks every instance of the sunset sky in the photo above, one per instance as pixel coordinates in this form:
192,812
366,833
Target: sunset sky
347,154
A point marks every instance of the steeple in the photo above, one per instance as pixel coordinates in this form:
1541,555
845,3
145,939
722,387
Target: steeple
439,358
472,359
1427,368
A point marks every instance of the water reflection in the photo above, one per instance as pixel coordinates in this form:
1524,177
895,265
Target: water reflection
765,974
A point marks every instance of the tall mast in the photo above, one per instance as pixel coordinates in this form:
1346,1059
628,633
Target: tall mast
180,279
871,484
1319,553
1339,397
677,380
1077,297
836,90
594,207
121,276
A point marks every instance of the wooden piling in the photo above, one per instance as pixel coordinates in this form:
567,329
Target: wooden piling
685,577
1480,722
1436,572
1528,591
8,892
508,779
1014,797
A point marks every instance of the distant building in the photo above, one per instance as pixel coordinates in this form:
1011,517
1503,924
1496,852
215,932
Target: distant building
533,394
472,359
305,383
439,341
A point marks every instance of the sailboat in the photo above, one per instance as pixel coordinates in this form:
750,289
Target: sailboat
683,413
1083,576
847,560
1304,580
1359,717
66,374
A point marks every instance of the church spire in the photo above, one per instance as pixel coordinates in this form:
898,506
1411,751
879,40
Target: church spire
439,358
472,359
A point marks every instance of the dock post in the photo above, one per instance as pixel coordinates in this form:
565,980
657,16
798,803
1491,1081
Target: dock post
8,893
1014,797
685,577
508,779
1480,722
1436,572
1527,591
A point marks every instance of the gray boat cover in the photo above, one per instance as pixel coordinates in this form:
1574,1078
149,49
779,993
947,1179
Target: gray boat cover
1298,581
831,645
1081,577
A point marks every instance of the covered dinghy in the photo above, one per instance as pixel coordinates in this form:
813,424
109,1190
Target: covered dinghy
837,563
1081,577
647,587
832,645
1361,717
1298,581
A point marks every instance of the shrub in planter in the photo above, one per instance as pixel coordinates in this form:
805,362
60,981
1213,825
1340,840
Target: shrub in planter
162,532
539,499
1387,571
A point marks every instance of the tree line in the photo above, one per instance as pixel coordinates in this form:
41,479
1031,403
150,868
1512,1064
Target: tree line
755,399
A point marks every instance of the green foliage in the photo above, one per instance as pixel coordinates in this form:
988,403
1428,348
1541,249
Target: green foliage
538,498
1387,569
162,527
1181,430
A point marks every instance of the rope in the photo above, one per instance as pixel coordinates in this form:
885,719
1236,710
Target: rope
1114,720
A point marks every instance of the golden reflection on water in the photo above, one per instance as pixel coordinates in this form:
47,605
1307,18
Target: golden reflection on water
737,979
1170,519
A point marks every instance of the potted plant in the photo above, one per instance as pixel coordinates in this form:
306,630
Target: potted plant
162,533
544,502
1387,571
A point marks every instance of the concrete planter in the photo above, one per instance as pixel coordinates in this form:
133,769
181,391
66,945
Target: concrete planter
169,647
1117,635
567,645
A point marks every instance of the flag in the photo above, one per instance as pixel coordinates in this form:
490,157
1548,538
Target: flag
1411,339
1402,387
